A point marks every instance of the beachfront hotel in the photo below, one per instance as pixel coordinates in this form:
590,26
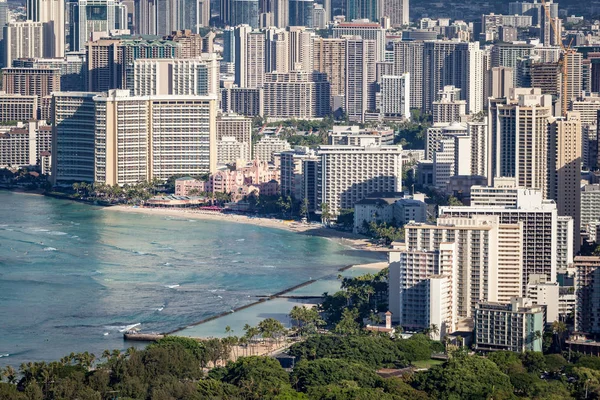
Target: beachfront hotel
140,138
343,175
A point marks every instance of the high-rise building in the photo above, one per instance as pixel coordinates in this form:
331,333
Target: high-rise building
110,61
453,63
73,137
301,13
347,174
590,205
16,107
277,50
363,9
255,59
39,82
145,17
360,78
534,9
507,54
240,54
564,168
140,138
244,101
73,73
23,40
51,13
539,218
330,58
587,289
547,77
573,69
292,175
92,16
296,94
267,146
171,77
408,58
487,270
516,327
397,11
448,107
301,48
237,127
367,31
521,140
395,96
244,12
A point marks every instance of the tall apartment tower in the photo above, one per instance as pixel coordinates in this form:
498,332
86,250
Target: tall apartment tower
51,13
408,58
73,137
565,144
448,107
500,81
301,13
301,46
454,63
156,129
574,78
360,78
540,231
587,289
255,59
521,138
330,58
363,9
23,40
276,50
240,54
89,16
244,12
397,11
171,77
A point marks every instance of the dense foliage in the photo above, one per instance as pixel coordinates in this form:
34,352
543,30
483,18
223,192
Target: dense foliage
328,367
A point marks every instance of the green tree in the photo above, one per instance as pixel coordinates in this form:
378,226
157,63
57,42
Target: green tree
255,377
348,325
304,208
465,377
325,371
325,214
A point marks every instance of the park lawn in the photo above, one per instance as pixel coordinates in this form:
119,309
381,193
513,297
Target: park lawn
426,363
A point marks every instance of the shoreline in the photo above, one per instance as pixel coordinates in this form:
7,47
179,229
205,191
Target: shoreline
354,241
304,300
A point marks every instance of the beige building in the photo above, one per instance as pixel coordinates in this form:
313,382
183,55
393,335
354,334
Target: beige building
297,94
181,77
449,107
16,107
145,137
238,127
267,146
345,175
487,270
520,142
229,150
23,39
330,58
565,170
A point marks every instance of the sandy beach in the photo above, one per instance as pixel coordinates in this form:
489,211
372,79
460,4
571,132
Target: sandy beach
355,241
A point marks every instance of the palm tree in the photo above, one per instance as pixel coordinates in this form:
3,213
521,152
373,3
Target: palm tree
304,208
434,330
325,214
559,328
10,374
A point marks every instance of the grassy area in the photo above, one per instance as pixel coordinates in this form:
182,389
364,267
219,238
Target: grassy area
426,363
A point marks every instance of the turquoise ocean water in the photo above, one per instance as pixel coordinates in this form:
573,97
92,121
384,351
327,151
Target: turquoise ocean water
72,275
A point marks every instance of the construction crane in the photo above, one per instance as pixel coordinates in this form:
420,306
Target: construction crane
564,61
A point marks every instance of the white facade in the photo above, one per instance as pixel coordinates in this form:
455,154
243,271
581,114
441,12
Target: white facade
348,174
229,150
395,96
145,137
171,77
269,145
23,40
590,204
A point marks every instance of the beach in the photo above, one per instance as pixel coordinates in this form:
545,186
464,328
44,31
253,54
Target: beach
355,241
